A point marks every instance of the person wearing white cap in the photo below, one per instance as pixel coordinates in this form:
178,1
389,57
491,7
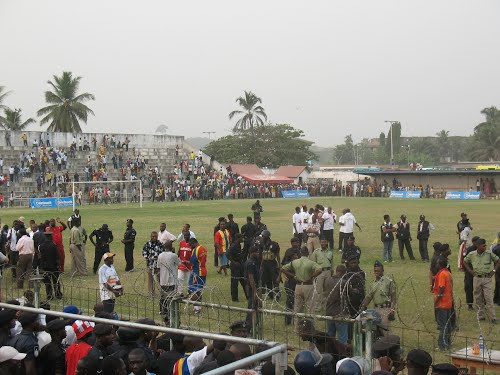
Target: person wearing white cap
10,360
109,282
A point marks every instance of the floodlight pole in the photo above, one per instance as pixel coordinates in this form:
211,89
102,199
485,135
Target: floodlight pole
73,195
392,143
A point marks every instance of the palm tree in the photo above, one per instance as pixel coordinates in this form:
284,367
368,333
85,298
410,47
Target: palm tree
66,108
252,114
12,120
3,95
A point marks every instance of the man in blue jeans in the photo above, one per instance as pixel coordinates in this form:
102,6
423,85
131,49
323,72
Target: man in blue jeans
336,305
387,236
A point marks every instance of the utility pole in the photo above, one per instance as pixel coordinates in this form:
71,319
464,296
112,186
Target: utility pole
209,134
392,143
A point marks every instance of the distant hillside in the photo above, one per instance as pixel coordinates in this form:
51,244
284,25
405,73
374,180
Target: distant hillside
198,142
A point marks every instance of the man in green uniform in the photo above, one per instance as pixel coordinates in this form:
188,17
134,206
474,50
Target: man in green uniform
324,257
383,294
483,265
303,271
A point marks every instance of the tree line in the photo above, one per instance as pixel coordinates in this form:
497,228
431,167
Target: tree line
483,145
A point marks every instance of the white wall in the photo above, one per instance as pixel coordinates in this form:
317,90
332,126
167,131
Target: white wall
65,139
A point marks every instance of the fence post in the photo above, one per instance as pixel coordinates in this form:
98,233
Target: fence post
368,329
280,361
357,339
36,279
174,313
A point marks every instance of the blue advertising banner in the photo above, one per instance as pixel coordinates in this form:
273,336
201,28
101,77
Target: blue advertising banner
461,195
51,202
295,193
412,194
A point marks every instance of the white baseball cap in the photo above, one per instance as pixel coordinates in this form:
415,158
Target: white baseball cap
8,353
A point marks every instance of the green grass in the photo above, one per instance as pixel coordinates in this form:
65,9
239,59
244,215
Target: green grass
415,321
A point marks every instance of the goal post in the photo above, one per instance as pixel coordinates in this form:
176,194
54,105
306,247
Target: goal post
107,192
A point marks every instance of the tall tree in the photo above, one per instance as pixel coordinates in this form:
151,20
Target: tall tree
344,153
395,129
251,115
67,107
279,144
443,144
485,145
13,120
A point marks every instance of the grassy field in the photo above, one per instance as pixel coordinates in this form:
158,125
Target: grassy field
415,322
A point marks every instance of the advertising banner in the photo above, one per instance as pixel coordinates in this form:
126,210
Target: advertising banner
51,202
462,195
295,193
412,194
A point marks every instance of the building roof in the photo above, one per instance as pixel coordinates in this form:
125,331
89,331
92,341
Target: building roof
456,172
242,169
266,179
292,171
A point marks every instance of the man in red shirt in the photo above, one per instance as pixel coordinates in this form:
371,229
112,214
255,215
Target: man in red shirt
57,238
443,303
81,347
185,267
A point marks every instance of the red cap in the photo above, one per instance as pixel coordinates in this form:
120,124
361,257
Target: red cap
82,327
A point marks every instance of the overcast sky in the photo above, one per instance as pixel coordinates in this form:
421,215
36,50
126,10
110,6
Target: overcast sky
327,67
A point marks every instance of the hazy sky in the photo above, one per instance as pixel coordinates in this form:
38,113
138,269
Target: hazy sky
327,67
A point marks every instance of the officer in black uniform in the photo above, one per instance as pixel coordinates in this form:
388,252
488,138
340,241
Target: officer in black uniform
259,227
350,249
248,232
105,337
269,252
291,254
52,356
103,237
235,256
26,341
76,216
129,242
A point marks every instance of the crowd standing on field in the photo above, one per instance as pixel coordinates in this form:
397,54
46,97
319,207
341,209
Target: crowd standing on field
248,255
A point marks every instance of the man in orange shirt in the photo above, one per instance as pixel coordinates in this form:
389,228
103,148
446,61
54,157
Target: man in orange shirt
443,303
222,241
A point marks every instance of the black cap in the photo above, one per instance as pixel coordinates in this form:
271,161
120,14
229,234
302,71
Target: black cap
386,343
55,325
6,316
445,369
352,257
102,329
265,233
420,358
27,318
475,238
378,264
323,238
351,238
128,335
239,324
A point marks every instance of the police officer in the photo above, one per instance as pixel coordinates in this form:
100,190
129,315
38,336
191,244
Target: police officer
418,362
291,254
389,346
234,254
303,271
103,237
383,294
483,265
26,341
350,249
129,242
76,216
52,356
324,257
259,227
248,232
423,233
270,259
105,337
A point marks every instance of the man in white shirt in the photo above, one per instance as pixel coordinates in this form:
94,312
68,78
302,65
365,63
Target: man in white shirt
347,222
306,217
109,283
26,249
329,219
297,224
165,235
168,262
185,227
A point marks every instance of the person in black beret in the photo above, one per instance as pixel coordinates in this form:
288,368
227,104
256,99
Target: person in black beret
27,342
444,369
239,328
418,362
52,356
105,337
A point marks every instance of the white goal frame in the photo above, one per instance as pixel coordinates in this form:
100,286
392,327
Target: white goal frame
138,181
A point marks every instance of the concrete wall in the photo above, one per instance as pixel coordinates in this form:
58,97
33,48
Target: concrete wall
65,139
